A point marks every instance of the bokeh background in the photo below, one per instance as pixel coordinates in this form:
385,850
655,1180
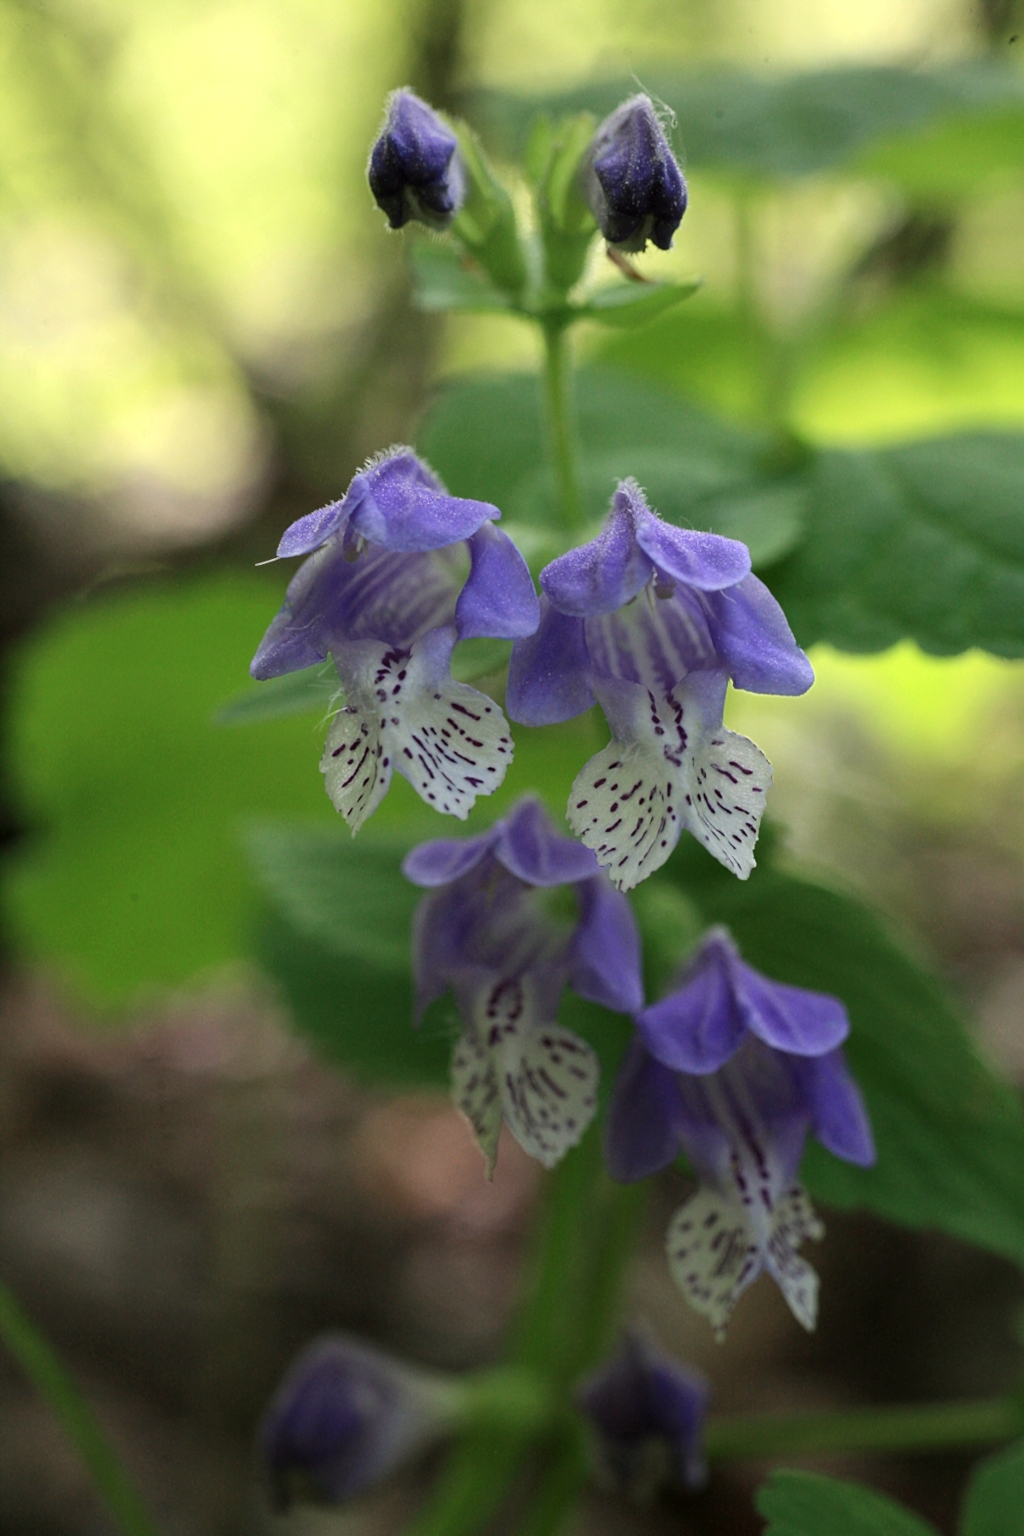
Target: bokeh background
204,328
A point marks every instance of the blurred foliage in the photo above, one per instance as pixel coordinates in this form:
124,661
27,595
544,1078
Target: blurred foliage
933,131
994,1502
807,1504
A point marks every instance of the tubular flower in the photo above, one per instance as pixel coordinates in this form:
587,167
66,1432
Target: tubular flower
490,932
772,1073
646,1413
385,594
345,1417
415,171
632,183
652,622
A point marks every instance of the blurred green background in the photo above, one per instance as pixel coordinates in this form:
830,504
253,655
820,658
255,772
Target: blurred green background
204,327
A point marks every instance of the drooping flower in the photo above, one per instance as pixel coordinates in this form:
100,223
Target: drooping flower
635,189
345,1417
415,171
773,1072
652,622
646,1413
490,931
385,594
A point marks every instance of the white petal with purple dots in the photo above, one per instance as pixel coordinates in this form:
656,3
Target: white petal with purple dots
404,711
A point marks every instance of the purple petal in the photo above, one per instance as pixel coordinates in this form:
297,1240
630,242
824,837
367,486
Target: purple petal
609,571
530,848
548,673
643,1128
498,599
399,504
641,1394
706,561
755,642
698,1027
840,1118
311,531
295,638
605,955
447,858
789,1018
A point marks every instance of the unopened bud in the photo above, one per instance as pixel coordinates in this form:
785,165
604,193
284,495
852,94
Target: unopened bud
415,171
646,1413
635,189
345,1417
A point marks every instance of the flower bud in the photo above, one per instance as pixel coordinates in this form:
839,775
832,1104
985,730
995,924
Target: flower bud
635,189
345,1417
646,1413
415,171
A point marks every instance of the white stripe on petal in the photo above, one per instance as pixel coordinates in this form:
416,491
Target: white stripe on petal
723,802
712,1255
475,1091
545,1077
793,1220
356,775
548,1081
451,742
668,766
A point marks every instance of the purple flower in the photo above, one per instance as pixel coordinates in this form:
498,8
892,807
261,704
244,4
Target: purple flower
652,622
494,932
385,594
646,1412
634,187
765,1071
346,1416
414,170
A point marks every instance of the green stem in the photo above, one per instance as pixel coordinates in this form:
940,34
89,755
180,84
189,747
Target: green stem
560,426
583,1245
910,1428
559,1490
41,1365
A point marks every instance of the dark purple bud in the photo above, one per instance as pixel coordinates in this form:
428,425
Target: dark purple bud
647,1414
635,189
346,1416
415,171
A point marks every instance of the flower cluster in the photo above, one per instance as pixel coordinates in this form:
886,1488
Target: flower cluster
652,622
736,1070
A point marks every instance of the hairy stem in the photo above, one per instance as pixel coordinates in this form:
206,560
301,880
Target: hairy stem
559,423
39,1362
906,1428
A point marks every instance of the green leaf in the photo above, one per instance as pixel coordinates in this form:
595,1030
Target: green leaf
444,278
807,1504
994,1502
949,1134
484,437
869,117
297,693
339,942
131,875
924,541
625,305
